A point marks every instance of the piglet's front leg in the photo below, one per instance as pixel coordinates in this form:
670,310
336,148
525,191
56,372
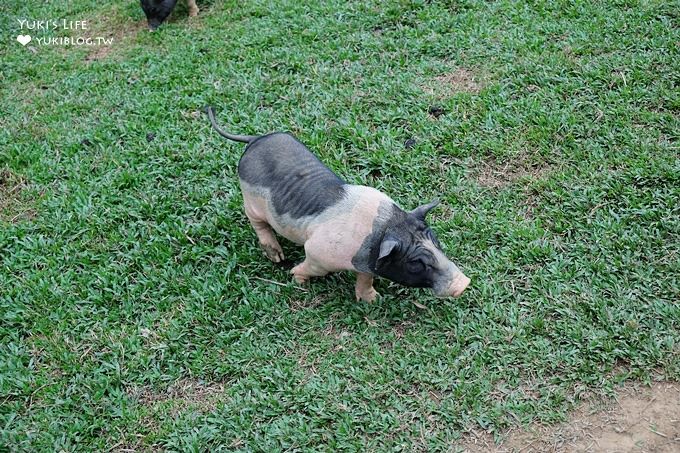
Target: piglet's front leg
364,288
193,8
310,267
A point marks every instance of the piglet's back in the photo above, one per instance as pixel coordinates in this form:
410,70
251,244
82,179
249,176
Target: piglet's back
298,183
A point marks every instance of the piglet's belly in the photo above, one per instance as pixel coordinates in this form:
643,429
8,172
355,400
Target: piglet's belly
334,235
295,232
329,234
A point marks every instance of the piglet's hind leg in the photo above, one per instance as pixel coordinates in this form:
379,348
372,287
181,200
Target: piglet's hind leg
268,241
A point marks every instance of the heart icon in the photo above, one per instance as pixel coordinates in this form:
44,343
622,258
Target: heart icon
24,39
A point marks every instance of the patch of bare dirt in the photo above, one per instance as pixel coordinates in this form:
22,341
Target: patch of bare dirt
182,394
13,206
460,80
495,174
113,26
99,53
639,419
302,304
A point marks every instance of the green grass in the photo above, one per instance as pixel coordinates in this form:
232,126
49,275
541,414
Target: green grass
137,272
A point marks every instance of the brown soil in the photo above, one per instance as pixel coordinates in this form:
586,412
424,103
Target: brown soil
460,80
13,206
495,174
112,25
181,395
639,419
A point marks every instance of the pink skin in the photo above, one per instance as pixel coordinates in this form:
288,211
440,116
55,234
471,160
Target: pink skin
256,209
331,240
364,288
457,286
193,9
459,281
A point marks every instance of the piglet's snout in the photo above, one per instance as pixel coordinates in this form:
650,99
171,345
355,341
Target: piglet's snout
458,285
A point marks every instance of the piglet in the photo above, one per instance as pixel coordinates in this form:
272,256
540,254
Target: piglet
157,11
342,226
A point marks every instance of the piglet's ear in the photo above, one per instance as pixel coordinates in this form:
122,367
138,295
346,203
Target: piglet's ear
421,211
387,246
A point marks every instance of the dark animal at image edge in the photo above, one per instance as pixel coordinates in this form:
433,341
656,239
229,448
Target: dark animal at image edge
287,189
157,11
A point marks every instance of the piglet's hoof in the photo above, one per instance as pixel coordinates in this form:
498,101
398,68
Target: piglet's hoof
301,279
273,253
367,295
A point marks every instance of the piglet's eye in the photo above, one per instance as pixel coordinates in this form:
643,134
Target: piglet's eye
415,267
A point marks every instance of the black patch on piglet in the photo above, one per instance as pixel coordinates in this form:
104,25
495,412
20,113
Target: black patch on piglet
299,183
421,211
394,248
407,261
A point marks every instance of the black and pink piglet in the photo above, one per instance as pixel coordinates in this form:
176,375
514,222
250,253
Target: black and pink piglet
286,189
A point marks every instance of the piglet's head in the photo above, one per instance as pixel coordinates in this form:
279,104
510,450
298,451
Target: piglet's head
411,255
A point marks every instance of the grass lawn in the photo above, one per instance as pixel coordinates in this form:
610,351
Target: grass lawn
137,310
